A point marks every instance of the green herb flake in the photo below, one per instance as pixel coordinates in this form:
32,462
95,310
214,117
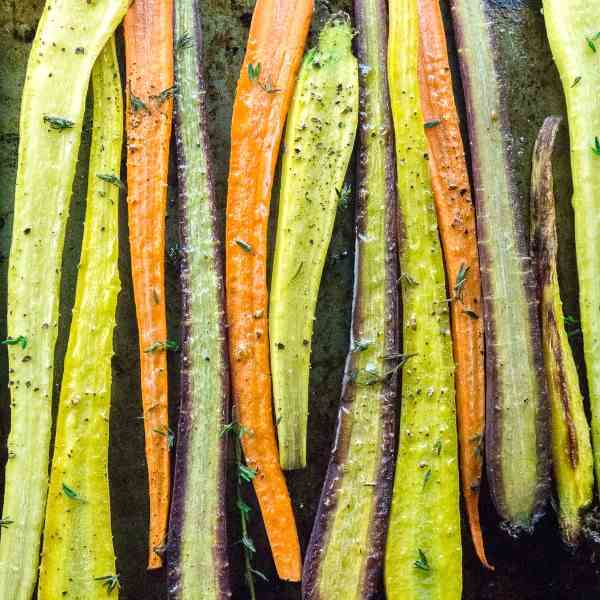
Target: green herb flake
10,341
596,147
245,246
246,473
70,493
591,41
165,95
248,543
461,279
110,582
168,433
427,477
432,123
58,123
112,179
360,345
422,563
5,522
253,71
344,195
576,81
471,313
137,104
166,345
437,447
184,42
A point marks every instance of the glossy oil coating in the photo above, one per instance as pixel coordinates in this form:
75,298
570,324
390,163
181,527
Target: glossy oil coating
571,446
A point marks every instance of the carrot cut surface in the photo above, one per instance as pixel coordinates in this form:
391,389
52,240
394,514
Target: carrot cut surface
456,221
275,48
149,68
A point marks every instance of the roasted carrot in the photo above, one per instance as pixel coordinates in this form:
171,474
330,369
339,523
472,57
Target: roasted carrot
69,38
275,48
456,221
149,69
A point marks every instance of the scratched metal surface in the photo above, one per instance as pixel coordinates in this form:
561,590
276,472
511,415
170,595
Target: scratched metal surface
534,568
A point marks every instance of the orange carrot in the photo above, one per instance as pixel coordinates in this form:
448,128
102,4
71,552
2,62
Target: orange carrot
149,64
275,47
456,220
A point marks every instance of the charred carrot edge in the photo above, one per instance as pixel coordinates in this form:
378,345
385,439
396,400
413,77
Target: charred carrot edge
275,48
149,69
456,221
571,446
573,36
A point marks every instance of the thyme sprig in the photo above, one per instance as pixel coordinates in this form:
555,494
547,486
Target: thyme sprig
344,195
265,84
245,474
110,582
165,94
168,433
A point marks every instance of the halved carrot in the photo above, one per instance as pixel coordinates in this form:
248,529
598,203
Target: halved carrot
456,220
149,67
275,48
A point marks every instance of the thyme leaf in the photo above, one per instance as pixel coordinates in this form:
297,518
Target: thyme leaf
165,95
422,562
10,341
576,81
596,147
344,195
461,279
432,123
591,41
110,582
58,123
166,345
168,433
253,71
245,246
112,179
5,522
184,42
70,493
